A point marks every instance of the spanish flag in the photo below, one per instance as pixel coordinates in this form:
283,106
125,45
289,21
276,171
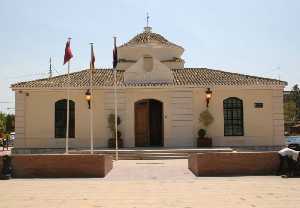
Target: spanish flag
115,54
68,52
93,59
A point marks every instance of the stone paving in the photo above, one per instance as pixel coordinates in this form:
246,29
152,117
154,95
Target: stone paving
152,183
131,170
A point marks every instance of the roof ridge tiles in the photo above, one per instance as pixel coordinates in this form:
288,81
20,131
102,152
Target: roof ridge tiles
181,77
146,37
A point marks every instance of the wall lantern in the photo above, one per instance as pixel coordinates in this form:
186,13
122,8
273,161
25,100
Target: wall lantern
88,98
208,96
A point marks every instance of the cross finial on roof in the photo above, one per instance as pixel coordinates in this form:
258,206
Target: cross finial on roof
147,28
147,19
50,67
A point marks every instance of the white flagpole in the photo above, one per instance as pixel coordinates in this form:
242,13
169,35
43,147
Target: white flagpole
116,106
68,110
69,54
91,106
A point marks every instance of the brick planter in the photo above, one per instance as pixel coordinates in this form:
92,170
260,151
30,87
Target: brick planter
239,163
1,165
61,166
204,142
112,143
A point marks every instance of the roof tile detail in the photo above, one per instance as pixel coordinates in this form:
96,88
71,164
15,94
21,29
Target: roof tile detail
148,37
181,77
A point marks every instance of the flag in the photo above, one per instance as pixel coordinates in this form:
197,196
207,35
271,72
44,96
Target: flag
93,59
68,52
115,54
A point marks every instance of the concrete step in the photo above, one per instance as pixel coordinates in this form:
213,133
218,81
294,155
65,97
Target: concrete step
143,151
149,157
153,153
146,150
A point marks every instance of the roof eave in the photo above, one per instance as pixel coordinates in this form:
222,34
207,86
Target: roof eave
153,86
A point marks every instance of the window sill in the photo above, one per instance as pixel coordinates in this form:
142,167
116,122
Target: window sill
62,138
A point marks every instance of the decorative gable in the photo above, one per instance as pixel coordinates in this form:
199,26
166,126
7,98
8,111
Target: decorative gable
152,44
148,69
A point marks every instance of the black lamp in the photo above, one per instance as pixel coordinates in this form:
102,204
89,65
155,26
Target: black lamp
208,96
88,98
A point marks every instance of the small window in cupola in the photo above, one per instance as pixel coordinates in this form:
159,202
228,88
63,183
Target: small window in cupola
148,63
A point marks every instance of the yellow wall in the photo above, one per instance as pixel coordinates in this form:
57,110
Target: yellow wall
258,122
182,106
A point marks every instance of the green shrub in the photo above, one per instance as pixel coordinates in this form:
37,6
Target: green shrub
206,118
111,125
201,133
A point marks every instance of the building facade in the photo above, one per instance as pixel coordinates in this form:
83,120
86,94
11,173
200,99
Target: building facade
159,103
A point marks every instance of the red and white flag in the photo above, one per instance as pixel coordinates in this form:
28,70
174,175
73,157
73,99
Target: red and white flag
68,52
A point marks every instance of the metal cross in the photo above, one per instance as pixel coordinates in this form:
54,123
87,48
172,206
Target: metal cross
148,19
50,67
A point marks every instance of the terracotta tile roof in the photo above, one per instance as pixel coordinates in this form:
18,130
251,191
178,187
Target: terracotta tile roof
148,37
204,76
181,77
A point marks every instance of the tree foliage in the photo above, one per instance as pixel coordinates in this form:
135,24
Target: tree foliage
111,124
10,123
290,111
292,105
2,122
7,123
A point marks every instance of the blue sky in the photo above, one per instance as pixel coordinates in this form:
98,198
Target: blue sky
257,37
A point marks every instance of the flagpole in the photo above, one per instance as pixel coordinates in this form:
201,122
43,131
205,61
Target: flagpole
91,105
67,59
116,106
68,110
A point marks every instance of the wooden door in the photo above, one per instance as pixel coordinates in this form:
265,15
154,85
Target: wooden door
156,123
142,137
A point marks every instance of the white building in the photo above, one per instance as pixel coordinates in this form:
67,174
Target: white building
159,102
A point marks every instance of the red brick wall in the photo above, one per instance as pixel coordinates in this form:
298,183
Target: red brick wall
60,166
239,163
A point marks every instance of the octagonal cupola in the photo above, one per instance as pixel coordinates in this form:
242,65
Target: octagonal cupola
150,44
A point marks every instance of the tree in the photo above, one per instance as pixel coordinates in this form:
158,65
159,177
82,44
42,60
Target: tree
2,123
7,123
295,96
292,105
10,123
295,92
290,111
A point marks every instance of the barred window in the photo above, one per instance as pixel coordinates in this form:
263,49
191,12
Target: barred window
61,119
233,117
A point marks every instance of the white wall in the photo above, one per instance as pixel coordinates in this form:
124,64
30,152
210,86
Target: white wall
260,126
182,106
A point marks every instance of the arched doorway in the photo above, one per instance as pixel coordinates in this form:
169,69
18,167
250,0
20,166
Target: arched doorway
148,123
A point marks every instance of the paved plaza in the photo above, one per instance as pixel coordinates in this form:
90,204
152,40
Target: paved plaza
152,183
